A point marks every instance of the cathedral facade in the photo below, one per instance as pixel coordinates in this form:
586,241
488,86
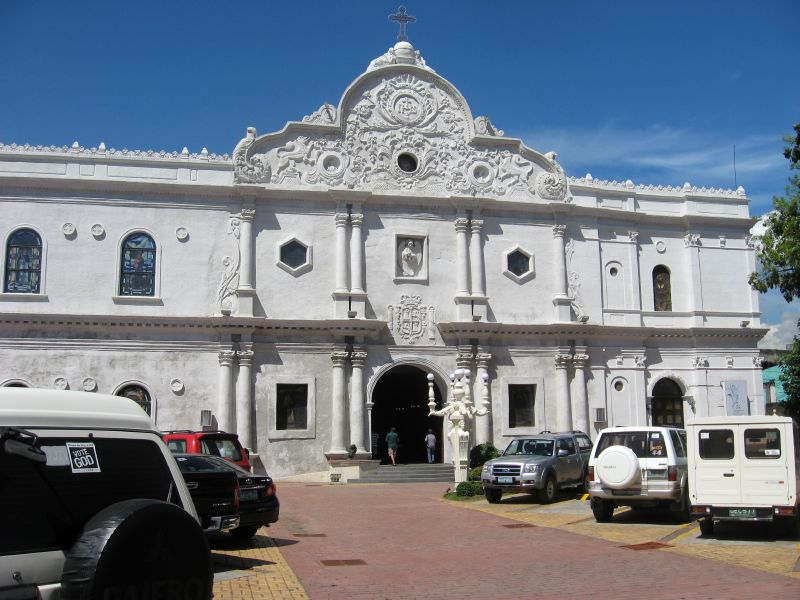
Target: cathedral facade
301,291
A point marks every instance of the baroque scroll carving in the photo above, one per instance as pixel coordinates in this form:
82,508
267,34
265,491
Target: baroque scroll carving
388,115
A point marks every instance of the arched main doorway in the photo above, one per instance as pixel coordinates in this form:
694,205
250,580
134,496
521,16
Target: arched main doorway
666,407
400,400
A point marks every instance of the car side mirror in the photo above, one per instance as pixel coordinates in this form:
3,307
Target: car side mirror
563,452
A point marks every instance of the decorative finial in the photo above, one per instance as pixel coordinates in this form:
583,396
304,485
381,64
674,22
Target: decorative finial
402,17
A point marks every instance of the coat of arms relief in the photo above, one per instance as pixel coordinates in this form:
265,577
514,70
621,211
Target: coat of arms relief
411,321
400,128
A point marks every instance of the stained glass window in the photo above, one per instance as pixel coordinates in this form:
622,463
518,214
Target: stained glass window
138,266
23,262
139,395
662,289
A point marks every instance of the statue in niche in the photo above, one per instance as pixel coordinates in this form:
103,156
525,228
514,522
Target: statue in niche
410,258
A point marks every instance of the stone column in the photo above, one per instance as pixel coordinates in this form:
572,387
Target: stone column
244,398
338,416
580,405
225,407
635,279
483,425
692,243
356,254
245,291
750,244
462,263
476,258
563,408
561,300
341,252
357,422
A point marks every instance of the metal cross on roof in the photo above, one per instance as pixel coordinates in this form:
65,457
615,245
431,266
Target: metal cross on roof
402,17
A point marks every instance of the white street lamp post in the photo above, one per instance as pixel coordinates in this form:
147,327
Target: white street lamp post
460,411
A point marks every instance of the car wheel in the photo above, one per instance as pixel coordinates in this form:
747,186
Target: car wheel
244,533
706,526
792,526
492,495
131,548
603,510
548,493
683,510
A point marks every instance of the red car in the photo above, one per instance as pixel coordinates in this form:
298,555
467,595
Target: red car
217,443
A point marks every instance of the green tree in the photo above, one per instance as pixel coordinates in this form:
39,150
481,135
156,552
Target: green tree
779,254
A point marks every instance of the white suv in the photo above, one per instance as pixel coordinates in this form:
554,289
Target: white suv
92,502
639,467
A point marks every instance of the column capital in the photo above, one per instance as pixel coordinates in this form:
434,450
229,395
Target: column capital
462,224
245,356
358,358
482,359
580,360
247,214
357,219
226,357
562,360
341,219
559,231
464,357
476,225
691,240
339,358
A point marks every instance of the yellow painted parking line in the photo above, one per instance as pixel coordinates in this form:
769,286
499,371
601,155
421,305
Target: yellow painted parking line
585,497
676,535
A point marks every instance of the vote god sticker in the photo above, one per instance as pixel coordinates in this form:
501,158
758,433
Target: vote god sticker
83,457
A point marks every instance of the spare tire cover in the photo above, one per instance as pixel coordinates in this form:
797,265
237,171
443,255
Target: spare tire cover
617,467
139,549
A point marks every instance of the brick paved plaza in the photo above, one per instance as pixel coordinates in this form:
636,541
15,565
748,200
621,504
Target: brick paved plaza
405,541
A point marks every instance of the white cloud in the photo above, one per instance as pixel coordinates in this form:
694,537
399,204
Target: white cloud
668,155
781,335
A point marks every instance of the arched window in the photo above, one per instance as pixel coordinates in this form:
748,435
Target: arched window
667,404
23,262
662,289
137,266
139,395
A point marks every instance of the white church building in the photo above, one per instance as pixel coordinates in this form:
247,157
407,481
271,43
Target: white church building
299,291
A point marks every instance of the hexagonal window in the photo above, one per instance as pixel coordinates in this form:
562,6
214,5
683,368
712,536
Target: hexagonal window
294,256
518,264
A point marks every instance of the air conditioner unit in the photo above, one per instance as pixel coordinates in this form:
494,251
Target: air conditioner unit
206,419
600,415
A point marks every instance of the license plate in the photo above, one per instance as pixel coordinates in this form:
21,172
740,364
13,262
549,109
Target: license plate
248,495
747,513
505,480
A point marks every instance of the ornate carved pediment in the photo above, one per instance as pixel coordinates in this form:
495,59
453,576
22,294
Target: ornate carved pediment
400,126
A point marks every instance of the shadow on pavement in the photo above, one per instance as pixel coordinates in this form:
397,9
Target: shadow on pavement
226,562
749,532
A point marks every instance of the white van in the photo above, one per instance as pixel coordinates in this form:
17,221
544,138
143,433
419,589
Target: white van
744,468
92,503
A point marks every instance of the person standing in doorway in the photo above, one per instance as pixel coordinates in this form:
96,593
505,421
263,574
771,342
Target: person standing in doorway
392,441
430,445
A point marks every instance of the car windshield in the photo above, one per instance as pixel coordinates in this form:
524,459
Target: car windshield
530,447
199,464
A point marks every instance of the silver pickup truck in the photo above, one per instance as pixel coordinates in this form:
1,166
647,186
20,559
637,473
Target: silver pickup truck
540,464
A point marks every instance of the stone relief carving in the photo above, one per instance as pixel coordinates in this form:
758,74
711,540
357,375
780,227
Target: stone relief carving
574,284
483,126
409,257
691,240
411,321
325,114
699,362
396,55
399,130
758,362
639,360
226,292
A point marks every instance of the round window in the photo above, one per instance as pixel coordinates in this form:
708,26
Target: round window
407,162
613,271
619,386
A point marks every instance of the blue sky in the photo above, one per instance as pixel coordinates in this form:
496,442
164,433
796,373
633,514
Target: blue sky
656,92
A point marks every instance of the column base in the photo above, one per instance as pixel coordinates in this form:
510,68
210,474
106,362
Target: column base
563,306
349,305
471,308
246,301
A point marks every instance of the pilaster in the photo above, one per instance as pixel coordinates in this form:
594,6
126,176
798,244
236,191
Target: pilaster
483,424
246,292
358,424
563,407
580,405
462,297
561,301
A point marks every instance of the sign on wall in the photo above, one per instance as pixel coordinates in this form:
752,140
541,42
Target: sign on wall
735,393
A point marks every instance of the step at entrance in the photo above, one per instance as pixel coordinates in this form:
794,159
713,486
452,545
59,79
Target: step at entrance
414,473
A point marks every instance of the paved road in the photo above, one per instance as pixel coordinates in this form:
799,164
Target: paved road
404,541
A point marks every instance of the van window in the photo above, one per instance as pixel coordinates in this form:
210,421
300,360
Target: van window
51,503
762,443
177,446
678,442
715,444
644,444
